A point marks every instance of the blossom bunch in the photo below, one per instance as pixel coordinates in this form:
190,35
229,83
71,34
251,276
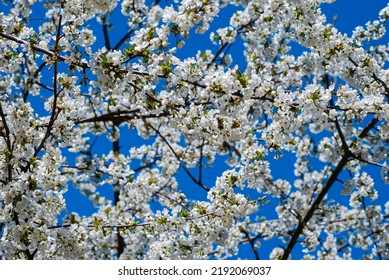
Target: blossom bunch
76,99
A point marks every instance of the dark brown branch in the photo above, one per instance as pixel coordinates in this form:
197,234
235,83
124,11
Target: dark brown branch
136,170
123,39
104,227
178,158
331,180
129,32
375,77
251,241
119,117
120,240
50,53
7,138
44,86
54,113
32,80
371,228
105,32
326,80
201,162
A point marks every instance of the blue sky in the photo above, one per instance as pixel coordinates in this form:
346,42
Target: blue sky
350,13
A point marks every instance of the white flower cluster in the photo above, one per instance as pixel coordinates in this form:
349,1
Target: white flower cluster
74,104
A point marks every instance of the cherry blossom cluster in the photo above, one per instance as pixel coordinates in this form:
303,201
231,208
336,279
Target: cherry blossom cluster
76,97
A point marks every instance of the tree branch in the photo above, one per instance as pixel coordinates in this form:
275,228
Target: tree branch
341,164
7,138
178,158
251,241
120,240
105,32
43,50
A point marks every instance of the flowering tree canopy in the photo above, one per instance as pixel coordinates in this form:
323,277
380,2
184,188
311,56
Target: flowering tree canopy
62,87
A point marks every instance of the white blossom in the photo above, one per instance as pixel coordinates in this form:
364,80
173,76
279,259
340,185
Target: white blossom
134,122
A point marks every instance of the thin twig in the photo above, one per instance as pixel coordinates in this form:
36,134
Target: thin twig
177,157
